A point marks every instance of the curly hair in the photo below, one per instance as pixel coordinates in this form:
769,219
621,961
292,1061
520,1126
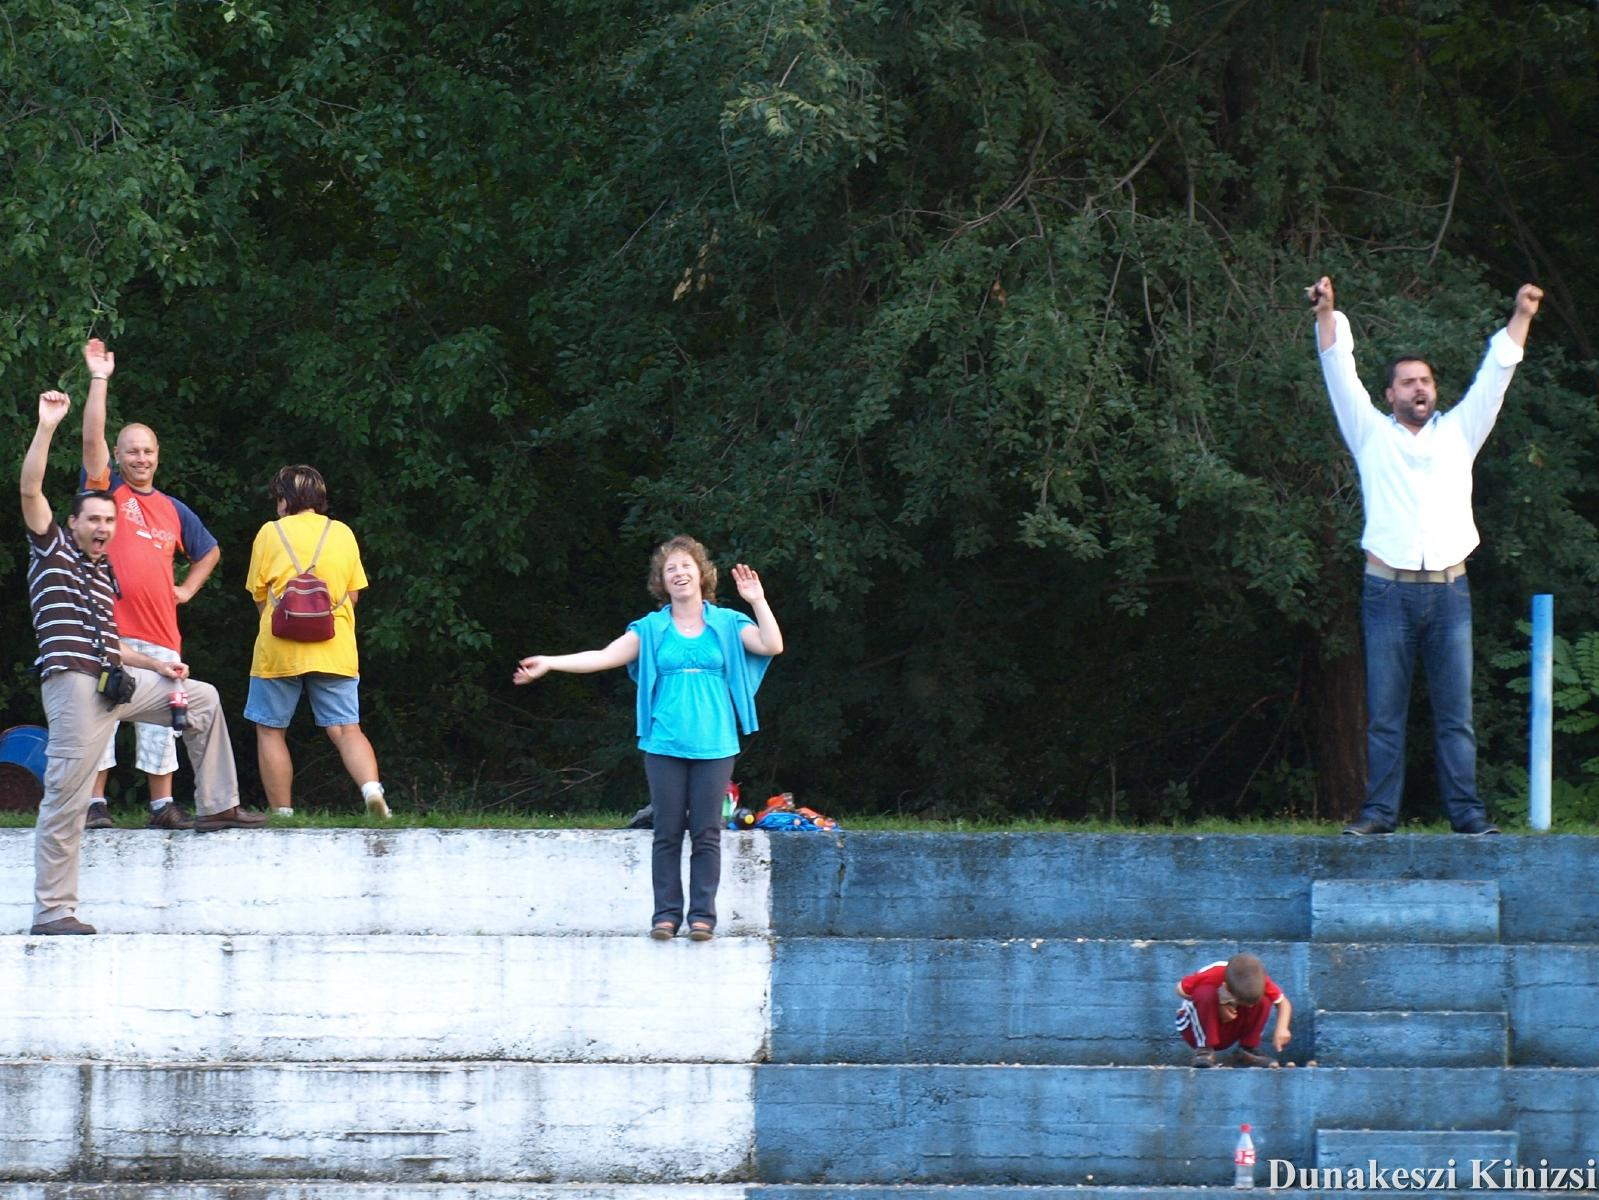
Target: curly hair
695,550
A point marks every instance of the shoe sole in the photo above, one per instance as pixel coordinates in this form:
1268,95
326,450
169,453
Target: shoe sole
662,934
700,935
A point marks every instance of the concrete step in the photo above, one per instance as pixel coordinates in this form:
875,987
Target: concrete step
807,1000
1404,910
1022,1000
452,881
1367,976
332,1190
377,1122
267,998
1413,1039
1121,886
480,1122
1121,1126
1459,1148
845,884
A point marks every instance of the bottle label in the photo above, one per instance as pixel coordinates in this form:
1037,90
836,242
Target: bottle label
1244,1156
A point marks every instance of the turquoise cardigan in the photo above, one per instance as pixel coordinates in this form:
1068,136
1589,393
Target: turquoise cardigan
744,671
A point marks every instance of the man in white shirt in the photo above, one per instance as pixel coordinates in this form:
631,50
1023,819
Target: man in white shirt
1415,484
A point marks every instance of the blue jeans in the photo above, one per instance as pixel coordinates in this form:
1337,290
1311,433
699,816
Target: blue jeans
1401,621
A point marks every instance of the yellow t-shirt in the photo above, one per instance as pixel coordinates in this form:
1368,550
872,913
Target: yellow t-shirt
339,566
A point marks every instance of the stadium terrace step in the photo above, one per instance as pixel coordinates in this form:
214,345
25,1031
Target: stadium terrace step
551,882
1412,1039
335,1190
320,998
1404,910
379,1014
378,1122
339,1190
1431,1148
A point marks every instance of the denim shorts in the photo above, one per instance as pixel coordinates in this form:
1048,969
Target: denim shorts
335,699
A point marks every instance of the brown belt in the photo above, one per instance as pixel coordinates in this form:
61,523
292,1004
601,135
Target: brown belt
1447,575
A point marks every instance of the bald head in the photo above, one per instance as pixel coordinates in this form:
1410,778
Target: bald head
138,455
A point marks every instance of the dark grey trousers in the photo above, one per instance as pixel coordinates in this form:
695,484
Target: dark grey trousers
686,794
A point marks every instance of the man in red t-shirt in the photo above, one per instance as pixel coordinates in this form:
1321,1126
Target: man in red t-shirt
1228,1002
152,526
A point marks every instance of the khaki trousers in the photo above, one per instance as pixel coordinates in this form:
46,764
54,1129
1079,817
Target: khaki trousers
80,727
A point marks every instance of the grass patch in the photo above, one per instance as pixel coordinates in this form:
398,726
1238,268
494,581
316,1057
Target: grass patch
134,816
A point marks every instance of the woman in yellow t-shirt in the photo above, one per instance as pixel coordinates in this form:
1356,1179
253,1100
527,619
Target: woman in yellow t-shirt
328,671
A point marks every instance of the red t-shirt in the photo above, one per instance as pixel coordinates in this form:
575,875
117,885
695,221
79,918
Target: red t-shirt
150,527
1246,1027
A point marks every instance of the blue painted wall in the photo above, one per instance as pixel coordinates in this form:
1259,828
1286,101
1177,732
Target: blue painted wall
996,1010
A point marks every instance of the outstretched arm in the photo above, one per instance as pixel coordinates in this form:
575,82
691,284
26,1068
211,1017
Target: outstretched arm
585,662
53,408
101,363
1320,295
1528,298
764,637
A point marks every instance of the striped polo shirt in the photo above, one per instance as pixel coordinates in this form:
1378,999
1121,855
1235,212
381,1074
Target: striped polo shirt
62,583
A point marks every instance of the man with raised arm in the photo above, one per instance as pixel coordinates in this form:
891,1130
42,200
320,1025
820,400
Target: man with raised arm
89,680
154,526
1415,483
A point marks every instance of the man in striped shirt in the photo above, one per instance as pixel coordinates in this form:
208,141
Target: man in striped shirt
71,592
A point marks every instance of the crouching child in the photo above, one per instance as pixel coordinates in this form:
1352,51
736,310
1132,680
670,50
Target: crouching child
1227,1004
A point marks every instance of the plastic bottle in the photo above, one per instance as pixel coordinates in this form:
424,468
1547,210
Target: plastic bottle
178,703
729,803
1244,1159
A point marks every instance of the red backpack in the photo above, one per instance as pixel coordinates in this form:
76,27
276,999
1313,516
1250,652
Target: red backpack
303,610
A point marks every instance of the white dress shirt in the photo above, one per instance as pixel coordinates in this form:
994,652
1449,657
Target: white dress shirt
1416,487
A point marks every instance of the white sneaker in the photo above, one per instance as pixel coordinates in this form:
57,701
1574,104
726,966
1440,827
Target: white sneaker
376,806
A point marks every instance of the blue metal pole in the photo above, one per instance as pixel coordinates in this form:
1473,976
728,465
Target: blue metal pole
1541,755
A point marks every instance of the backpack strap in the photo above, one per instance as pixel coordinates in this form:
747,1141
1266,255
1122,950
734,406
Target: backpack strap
283,537
315,554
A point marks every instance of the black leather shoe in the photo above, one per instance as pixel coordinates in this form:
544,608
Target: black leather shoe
1478,827
1366,827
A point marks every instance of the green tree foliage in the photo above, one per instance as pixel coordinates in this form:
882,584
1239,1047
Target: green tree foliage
976,326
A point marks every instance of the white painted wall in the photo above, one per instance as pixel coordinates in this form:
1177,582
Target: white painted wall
555,882
596,1123
157,998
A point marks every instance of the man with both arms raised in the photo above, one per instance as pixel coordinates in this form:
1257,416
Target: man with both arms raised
1415,484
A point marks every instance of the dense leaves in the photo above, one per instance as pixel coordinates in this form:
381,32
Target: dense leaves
976,326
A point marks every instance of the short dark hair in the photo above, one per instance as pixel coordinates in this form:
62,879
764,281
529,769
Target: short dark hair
1246,978
1393,365
79,498
300,488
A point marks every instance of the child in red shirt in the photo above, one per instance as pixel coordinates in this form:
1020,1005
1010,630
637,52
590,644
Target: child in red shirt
1229,1002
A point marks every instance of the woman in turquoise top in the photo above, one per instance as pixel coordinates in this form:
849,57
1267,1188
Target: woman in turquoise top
697,666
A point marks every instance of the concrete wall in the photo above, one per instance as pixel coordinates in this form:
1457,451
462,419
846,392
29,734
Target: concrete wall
307,1014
